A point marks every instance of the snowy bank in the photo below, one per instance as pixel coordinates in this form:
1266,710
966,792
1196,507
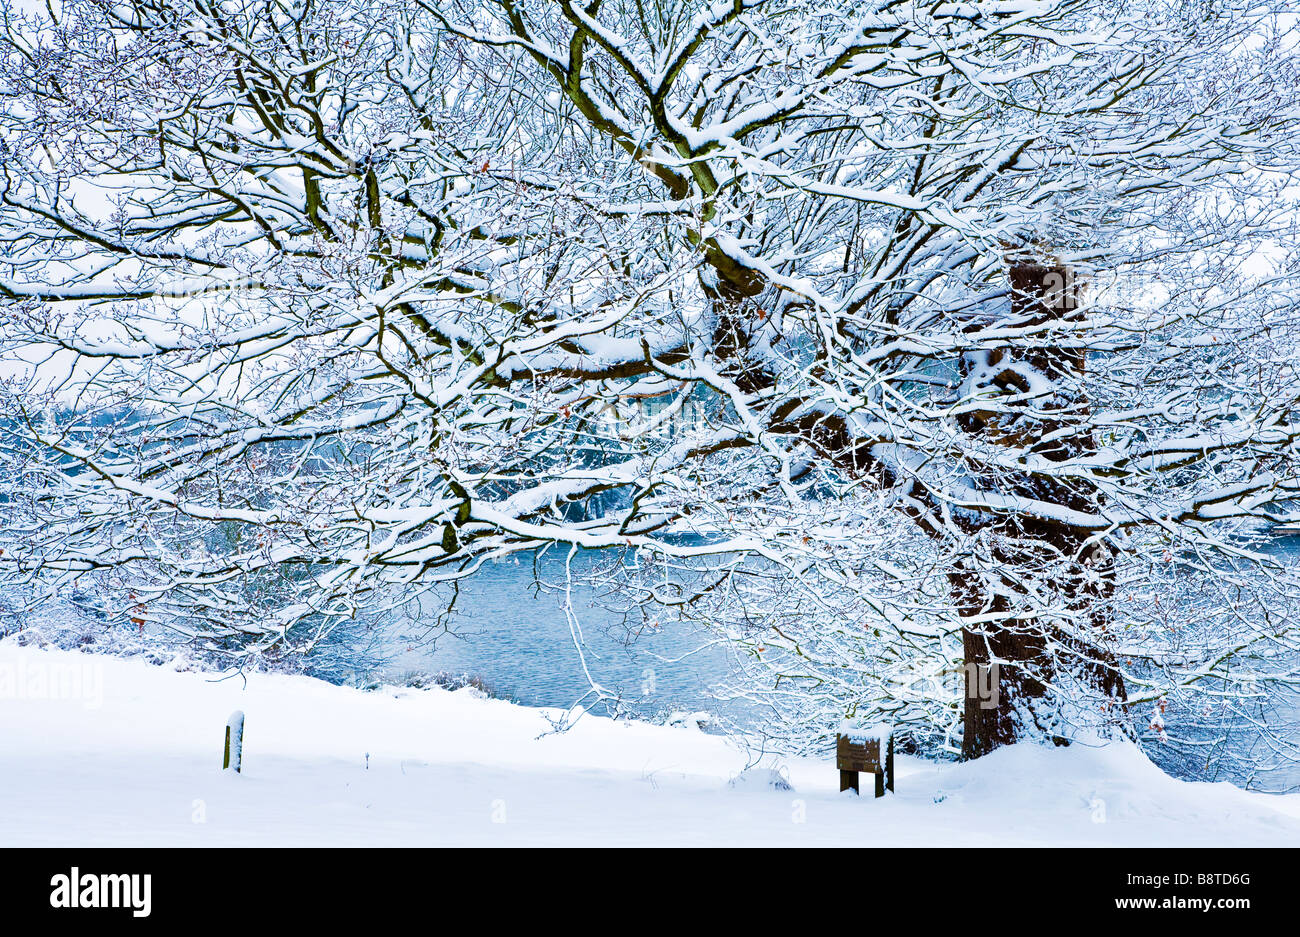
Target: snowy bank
105,751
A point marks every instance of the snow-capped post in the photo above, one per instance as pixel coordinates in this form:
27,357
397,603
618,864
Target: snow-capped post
234,742
865,748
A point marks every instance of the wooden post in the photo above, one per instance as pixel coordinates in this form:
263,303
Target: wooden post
234,742
849,779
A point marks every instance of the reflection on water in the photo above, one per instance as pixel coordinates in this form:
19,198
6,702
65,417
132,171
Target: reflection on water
517,639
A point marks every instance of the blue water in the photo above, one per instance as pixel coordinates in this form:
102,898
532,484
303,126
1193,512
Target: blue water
517,639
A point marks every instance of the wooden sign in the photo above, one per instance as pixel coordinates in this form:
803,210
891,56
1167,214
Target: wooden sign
857,756
853,755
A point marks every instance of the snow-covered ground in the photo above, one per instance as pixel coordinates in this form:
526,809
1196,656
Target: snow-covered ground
105,751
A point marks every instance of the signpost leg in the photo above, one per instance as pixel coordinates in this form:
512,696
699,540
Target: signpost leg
849,779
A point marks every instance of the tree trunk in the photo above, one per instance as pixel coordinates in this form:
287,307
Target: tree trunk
1009,663
1005,669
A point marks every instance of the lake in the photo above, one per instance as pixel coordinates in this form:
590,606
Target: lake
518,641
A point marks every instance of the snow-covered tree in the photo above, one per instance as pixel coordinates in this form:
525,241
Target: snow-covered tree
916,334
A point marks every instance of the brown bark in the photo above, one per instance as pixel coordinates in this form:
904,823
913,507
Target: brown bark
1009,663
1009,667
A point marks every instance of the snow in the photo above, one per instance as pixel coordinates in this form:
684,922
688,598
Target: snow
107,751
859,731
